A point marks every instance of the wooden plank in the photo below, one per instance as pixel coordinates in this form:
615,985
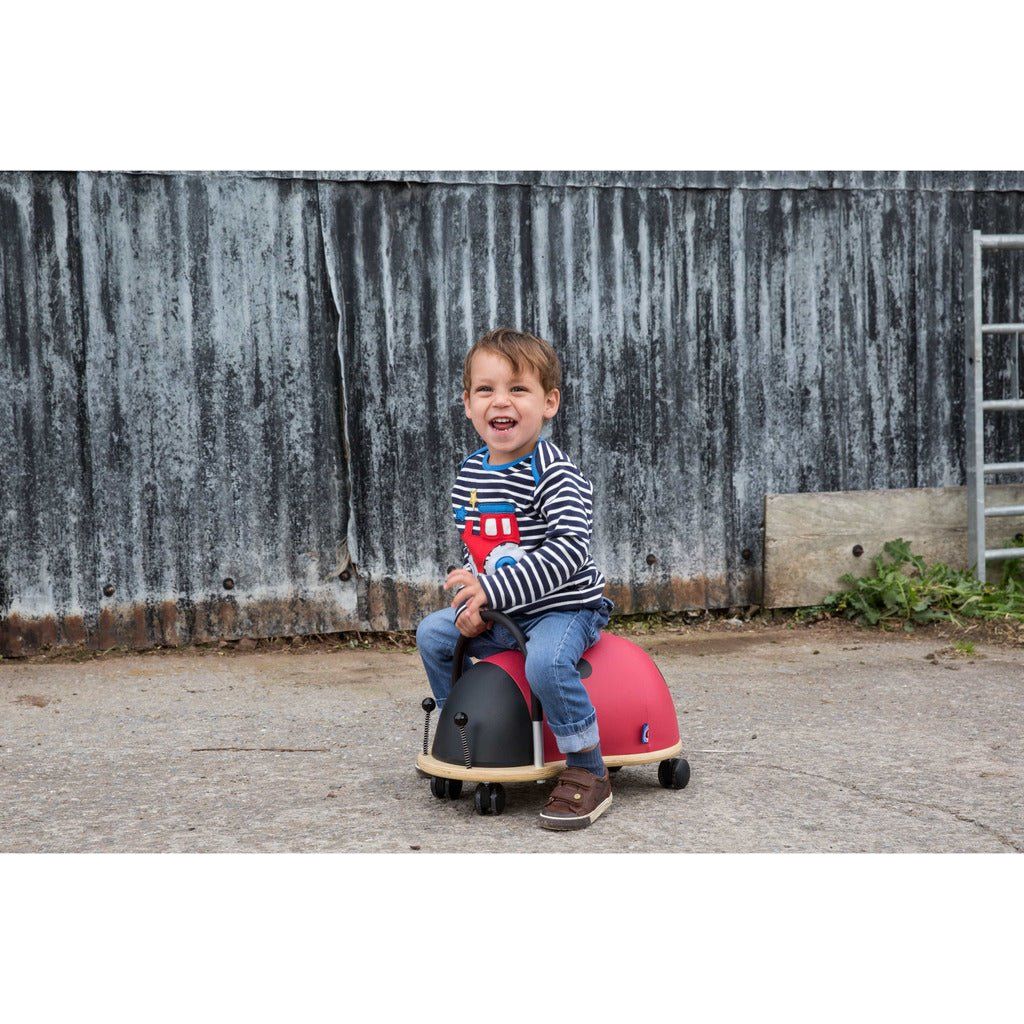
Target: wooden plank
810,538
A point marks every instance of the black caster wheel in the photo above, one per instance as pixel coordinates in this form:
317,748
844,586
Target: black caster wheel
446,788
616,768
489,798
674,773
497,798
481,800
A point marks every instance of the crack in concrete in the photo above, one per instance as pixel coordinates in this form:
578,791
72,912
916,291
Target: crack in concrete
896,800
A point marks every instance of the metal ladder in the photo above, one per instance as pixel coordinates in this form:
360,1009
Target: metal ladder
977,405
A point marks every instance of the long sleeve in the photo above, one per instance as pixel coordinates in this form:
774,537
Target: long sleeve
467,564
564,500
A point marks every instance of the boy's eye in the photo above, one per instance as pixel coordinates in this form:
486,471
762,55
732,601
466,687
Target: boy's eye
484,387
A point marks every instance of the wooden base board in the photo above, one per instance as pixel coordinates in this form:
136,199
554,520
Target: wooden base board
810,538
429,765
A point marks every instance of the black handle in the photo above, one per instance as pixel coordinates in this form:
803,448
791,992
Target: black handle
488,616
501,619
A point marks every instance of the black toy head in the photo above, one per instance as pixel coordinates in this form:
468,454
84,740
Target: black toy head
498,729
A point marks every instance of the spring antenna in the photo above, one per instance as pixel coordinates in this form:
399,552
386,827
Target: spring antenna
428,705
461,720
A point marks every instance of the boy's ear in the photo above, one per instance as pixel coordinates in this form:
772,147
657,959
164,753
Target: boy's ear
551,402
465,404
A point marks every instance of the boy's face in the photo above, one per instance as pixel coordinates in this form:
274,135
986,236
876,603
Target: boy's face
508,409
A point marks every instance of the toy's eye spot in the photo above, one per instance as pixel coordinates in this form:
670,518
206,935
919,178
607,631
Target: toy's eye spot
577,796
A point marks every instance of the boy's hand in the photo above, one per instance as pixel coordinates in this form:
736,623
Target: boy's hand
472,596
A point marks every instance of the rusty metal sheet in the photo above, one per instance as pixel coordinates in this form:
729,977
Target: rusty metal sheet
149,623
719,345
255,376
915,181
170,395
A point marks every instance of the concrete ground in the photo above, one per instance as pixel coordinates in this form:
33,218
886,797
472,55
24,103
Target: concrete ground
826,738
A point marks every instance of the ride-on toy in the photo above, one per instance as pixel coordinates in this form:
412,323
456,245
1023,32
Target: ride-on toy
492,731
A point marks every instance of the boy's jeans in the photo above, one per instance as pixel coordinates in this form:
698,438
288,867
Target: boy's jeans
555,642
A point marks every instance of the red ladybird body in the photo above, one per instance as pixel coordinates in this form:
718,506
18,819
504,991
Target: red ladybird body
635,713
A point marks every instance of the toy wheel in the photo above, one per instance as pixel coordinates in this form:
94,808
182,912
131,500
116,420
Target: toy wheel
481,800
497,794
489,798
674,773
450,788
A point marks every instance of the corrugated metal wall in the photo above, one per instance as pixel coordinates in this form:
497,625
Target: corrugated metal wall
256,376
169,397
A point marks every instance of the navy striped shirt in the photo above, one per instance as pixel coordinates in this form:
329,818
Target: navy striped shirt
526,528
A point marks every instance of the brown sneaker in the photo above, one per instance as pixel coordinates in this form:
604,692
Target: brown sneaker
578,799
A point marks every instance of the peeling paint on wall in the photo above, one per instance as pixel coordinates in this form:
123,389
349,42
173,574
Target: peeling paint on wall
255,377
169,395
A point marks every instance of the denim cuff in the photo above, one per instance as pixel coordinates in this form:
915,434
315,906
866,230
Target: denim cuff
579,736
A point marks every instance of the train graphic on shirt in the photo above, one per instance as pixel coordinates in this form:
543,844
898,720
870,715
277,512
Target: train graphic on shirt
492,537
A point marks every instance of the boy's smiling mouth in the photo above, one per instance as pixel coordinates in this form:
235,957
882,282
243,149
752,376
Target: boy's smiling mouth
502,424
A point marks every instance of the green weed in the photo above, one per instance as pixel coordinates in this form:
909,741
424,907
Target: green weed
904,590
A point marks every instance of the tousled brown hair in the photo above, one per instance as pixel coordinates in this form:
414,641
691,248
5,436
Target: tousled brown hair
520,349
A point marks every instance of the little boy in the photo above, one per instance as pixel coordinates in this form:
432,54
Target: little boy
531,560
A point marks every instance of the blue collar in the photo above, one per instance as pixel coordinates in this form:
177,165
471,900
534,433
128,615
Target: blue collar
505,465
